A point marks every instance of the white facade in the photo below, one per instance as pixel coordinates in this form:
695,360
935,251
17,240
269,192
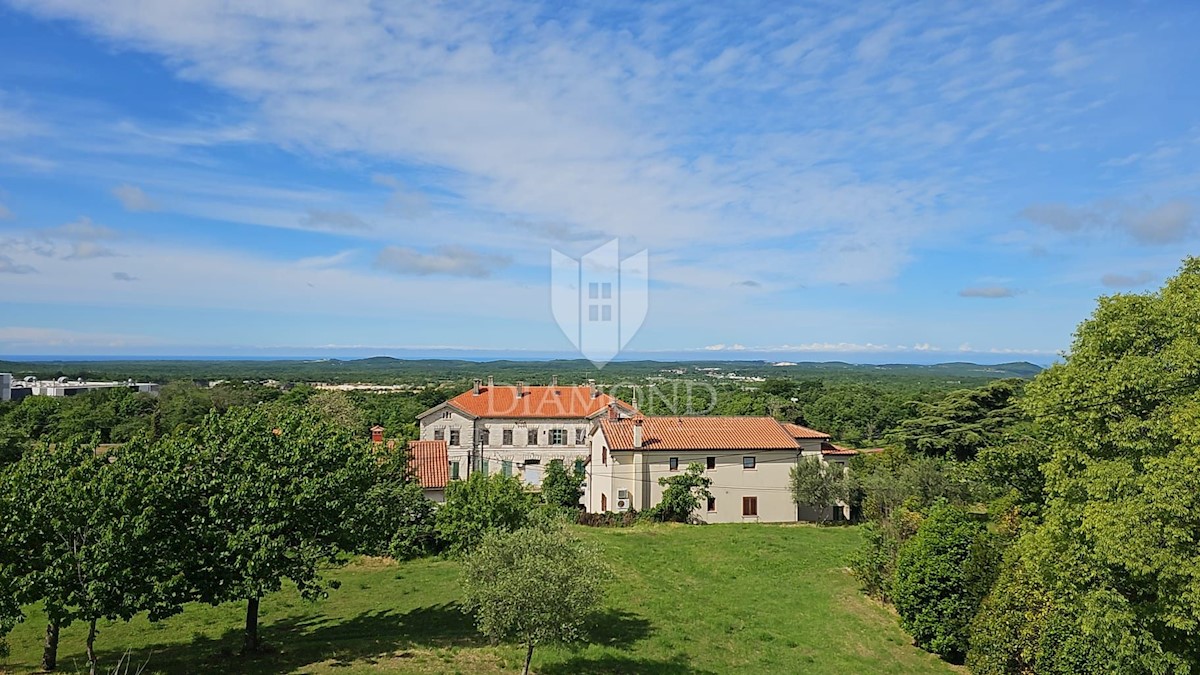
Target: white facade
505,445
747,485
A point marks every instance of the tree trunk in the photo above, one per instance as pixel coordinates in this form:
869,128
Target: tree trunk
91,647
251,643
50,650
528,658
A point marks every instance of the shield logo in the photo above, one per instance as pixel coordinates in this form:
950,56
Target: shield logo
599,300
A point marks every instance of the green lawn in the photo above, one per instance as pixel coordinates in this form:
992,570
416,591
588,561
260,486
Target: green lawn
711,599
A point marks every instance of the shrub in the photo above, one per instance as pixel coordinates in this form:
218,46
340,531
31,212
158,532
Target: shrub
682,495
874,563
533,586
610,518
942,576
562,488
478,505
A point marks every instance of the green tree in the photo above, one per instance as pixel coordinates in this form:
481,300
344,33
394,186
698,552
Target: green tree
964,421
533,586
478,505
682,494
395,517
561,488
273,493
93,541
942,575
817,485
1116,549
337,408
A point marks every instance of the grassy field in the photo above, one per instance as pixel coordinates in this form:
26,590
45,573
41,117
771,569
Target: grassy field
713,599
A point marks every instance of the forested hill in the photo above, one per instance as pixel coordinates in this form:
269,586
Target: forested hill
388,370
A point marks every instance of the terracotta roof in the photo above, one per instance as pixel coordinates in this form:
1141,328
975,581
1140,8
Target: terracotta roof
430,462
798,431
700,433
831,449
546,402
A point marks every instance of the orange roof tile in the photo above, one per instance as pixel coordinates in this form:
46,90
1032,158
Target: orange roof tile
430,461
798,431
831,449
700,433
545,402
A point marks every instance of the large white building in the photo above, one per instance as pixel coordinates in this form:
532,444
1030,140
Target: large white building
748,459
15,390
518,429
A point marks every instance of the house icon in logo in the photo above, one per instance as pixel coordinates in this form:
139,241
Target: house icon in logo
599,301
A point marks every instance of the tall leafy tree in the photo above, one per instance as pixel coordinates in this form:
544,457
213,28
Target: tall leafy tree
91,540
273,493
942,575
963,422
533,586
562,488
816,485
478,505
1116,554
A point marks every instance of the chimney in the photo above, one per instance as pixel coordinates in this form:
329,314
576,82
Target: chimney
553,380
592,391
376,434
491,381
478,384
612,410
637,432
520,389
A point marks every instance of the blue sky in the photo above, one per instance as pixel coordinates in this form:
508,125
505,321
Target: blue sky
900,181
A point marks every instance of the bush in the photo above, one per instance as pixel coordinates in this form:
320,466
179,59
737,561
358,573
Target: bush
610,519
562,488
395,518
479,505
682,495
942,576
874,563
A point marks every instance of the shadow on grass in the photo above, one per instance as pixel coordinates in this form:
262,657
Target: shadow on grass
297,641
611,665
294,642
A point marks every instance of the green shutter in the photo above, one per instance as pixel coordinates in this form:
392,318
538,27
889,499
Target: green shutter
454,470
506,468
579,466
484,466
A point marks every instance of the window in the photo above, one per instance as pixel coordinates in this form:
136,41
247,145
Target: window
485,437
600,305
506,468
533,437
710,463
453,470
748,462
749,506
439,434
578,466
558,437
712,503
445,414
674,462
454,437
483,466
603,502
580,433
604,455
506,437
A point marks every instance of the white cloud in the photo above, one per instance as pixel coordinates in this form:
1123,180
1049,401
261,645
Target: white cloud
333,220
132,198
1116,280
989,292
1166,223
87,250
24,338
7,266
123,276
81,229
454,261
5,212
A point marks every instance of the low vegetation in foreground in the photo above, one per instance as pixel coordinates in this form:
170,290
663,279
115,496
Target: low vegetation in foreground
714,599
